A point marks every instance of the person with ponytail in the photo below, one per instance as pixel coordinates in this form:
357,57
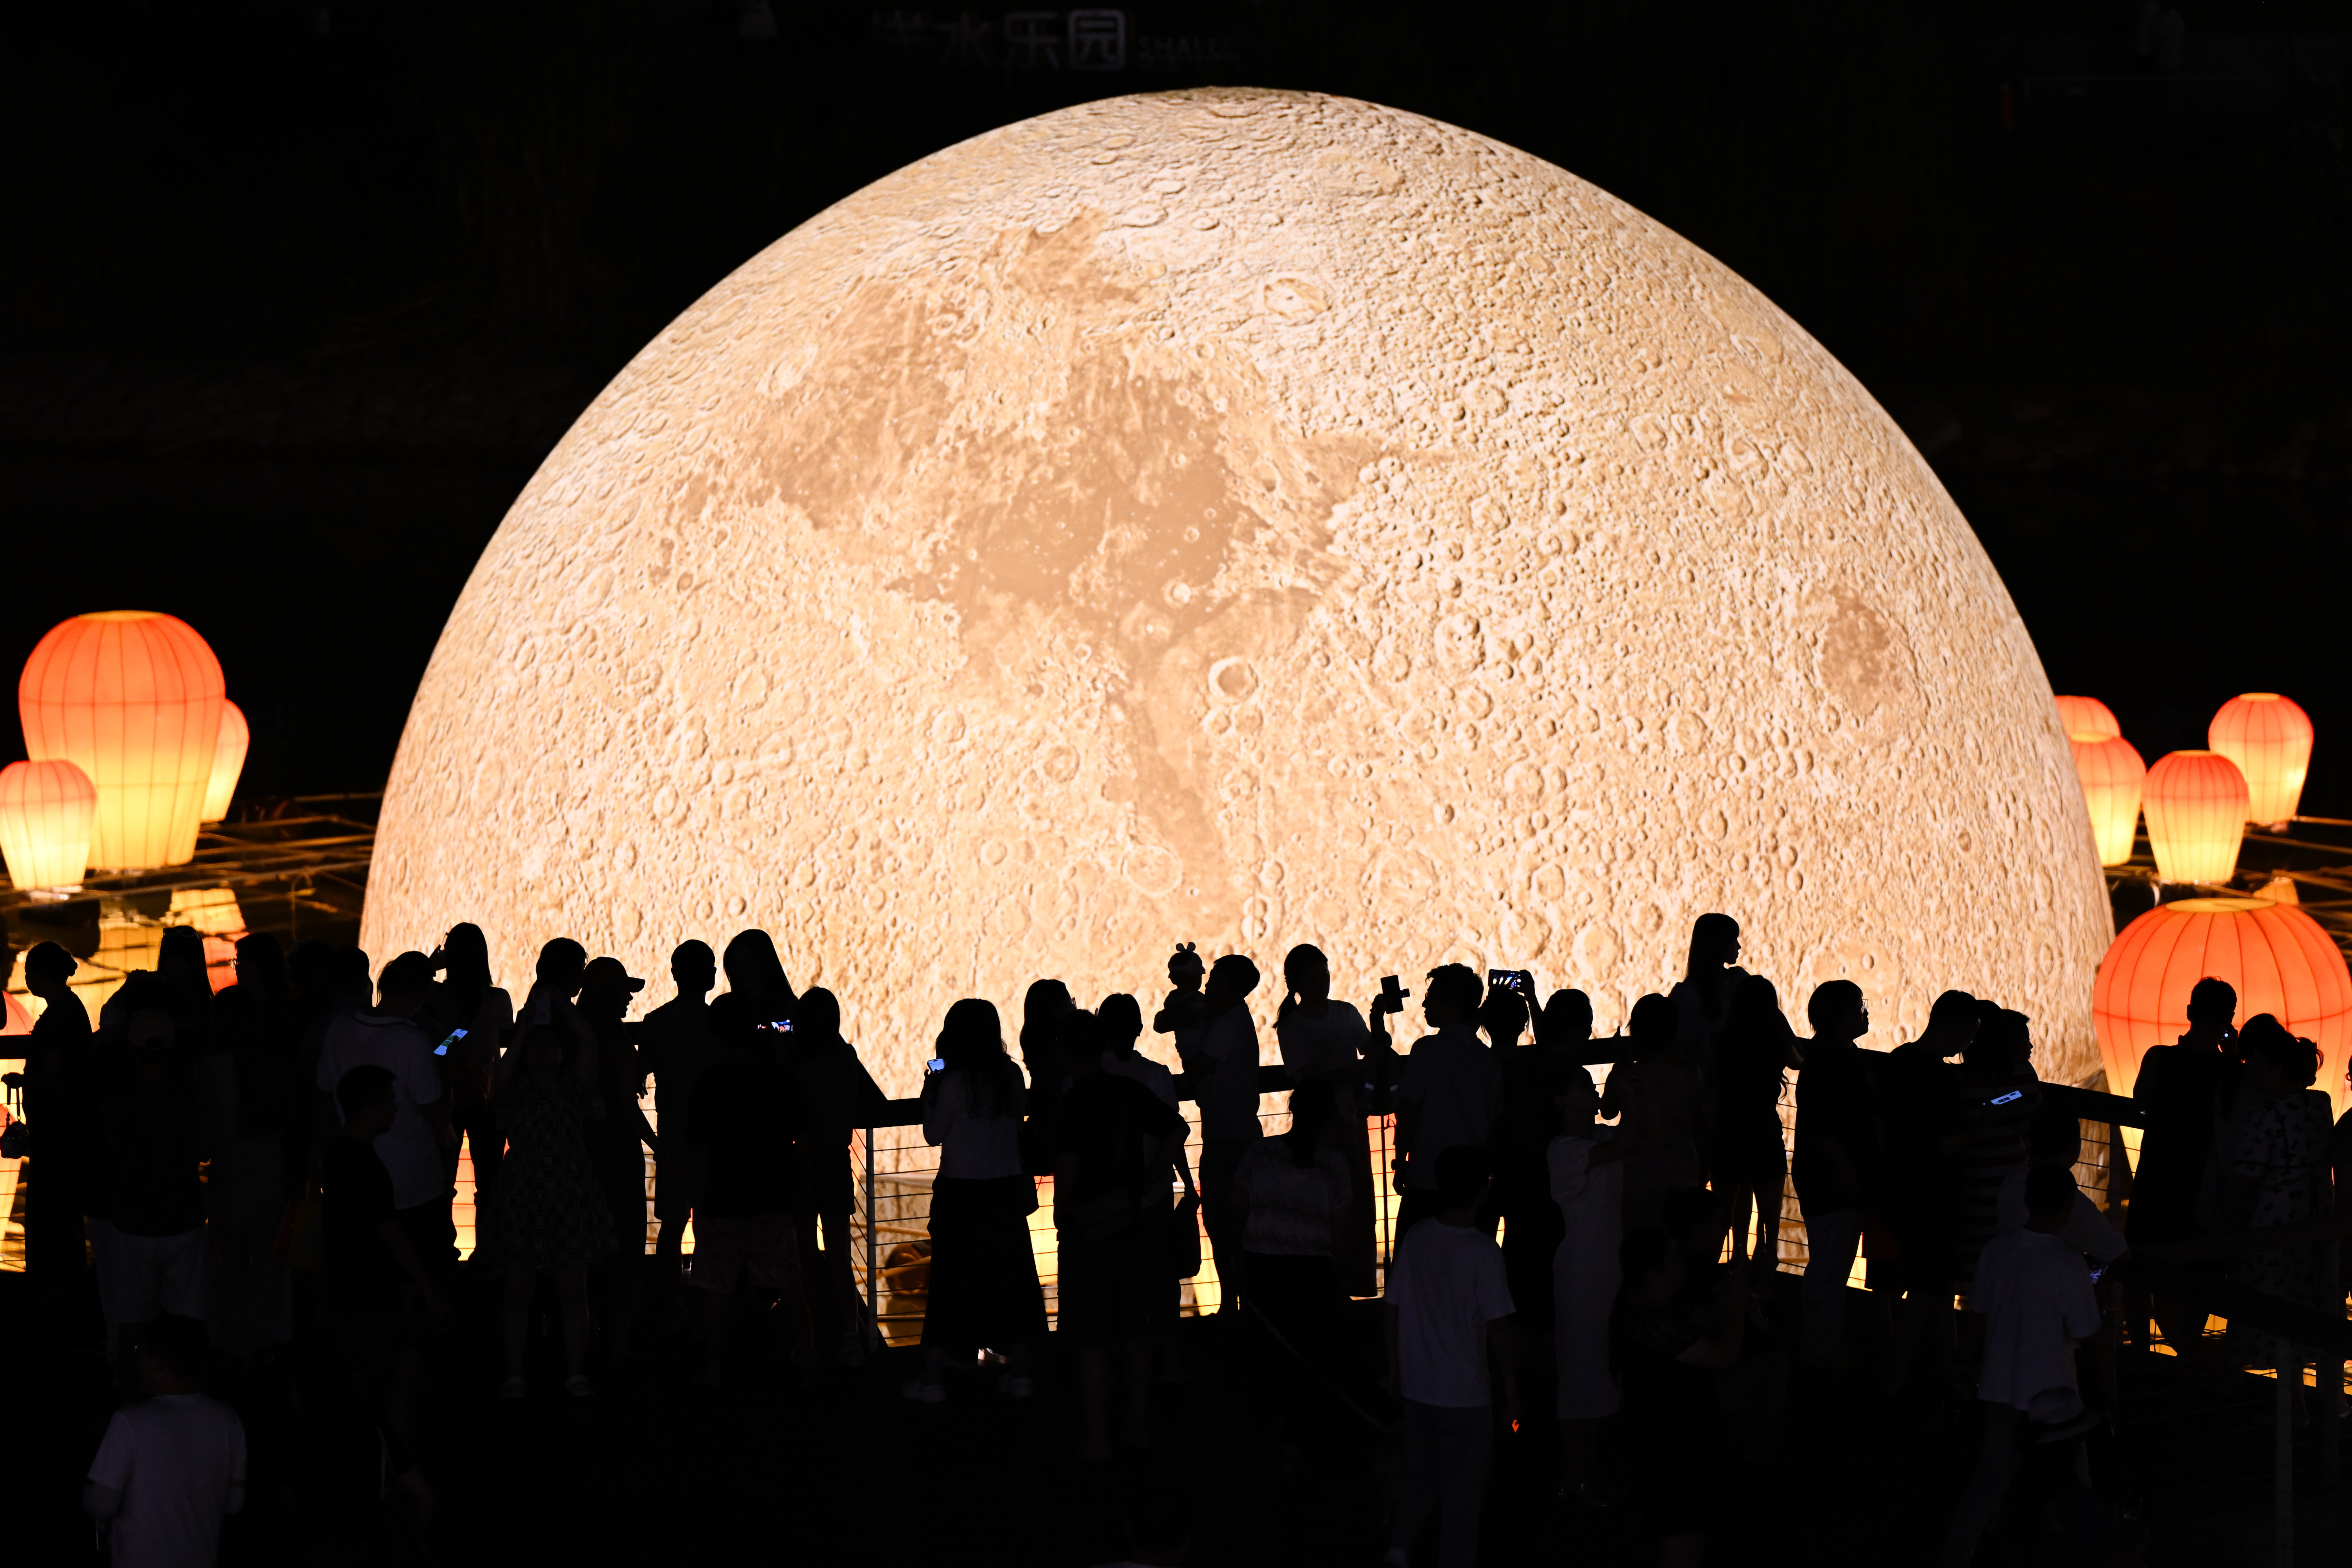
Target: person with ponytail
1326,1041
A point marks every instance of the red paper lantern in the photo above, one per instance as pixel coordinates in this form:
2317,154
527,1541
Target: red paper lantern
2087,716
132,699
228,762
2269,737
2278,958
2112,774
2196,805
46,814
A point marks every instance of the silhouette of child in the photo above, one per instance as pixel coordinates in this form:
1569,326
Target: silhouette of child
1186,1012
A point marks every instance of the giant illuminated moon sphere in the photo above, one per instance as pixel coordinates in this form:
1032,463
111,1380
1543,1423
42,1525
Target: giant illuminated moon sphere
1245,518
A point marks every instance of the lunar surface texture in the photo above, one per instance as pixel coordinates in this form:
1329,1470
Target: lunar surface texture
1245,518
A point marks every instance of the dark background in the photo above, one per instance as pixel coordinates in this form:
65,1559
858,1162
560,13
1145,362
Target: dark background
297,296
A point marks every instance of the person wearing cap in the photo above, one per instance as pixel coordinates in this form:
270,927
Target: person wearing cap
150,1252
419,1149
617,1142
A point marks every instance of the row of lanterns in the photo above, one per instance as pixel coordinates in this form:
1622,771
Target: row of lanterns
2196,803
132,743
2278,959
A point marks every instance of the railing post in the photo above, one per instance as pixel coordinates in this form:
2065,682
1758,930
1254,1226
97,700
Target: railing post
2282,1472
873,1243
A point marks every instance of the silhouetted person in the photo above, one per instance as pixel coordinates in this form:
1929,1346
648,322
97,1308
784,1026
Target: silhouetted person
62,1099
1223,1068
1121,1018
1702,998
1504,1016
1667,1351
2278,1174
985,1293
1113,1140
1042,1008
417,1149
747,1117
1919,1111
1451,1093
152,1260
617,1142
1291,1197
837,1097
1182,1013
466,999
1838,1166
2034,1296
2178,1091
1660,1061
561,966
248,1080
1586,1171
2001,1096
1532,1074
1748,1160
551,1218
1326,1040
1448,1309
172,1466
678,1045
369,1259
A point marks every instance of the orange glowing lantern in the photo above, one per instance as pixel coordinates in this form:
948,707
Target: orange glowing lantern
2112,774
46,814
2269,737
2087,716
133,698
2196,805
228,761
2278,958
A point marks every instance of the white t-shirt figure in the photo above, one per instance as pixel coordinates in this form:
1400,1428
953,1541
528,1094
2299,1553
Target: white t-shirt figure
172,1468
1446,1285
409,1151
2034,1292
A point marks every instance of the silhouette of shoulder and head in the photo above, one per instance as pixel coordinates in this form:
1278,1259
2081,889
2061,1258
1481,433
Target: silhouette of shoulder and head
563,964
404,986
1122,1022
1837,1012
1951,1023
1231,980
1654,1027
1450,998
1306,976
2212,1008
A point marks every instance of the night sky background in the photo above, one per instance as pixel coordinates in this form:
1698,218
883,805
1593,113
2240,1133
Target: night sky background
296,296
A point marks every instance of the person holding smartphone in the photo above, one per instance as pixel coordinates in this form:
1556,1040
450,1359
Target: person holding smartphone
2000,1095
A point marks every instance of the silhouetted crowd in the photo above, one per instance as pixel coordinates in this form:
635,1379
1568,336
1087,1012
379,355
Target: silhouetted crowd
268,1172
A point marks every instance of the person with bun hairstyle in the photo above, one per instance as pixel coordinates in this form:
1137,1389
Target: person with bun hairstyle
2278,1174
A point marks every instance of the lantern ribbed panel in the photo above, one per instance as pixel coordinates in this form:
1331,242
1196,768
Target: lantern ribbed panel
228,761
132,699
2269,737
2087,716
2278,958
2196,805
47,812
2112,774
